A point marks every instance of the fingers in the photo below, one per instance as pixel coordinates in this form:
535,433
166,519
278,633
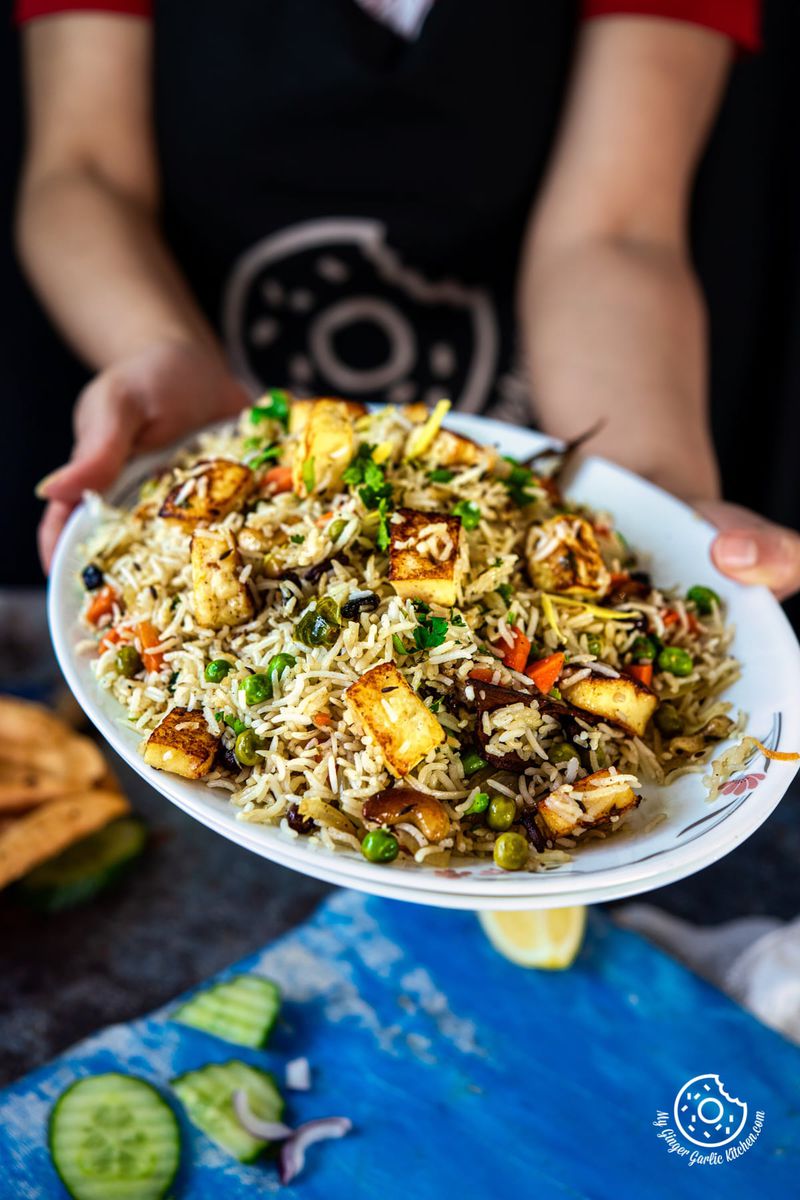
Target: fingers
751,549
107,422
50,526
767,556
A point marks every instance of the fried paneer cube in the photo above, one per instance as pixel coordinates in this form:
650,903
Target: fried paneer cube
570,810
324,449
450,449
424,556
220,488
403,727
220,598
300,411
624,701
183,744
563,556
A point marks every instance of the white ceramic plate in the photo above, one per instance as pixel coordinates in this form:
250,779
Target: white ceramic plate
694,833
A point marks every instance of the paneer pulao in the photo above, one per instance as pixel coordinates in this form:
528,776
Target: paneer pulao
376,633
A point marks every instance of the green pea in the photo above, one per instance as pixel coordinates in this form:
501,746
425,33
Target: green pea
501,813
257,689
510,851
379,846
644,648
594,644
128,661
336,529
562,752
703,598
676,660
667,720
472,762
277,665
245,748
217,670
480,803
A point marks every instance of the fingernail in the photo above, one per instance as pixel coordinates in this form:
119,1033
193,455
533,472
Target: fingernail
737,550
40,491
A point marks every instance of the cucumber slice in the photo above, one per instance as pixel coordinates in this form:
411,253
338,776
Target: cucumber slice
242,1010
84,869
113,1137
207,1096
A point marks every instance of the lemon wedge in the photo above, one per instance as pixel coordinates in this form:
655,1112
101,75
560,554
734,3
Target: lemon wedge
548,938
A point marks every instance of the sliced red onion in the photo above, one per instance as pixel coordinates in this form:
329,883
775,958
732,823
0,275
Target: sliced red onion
267,1131
293,1151
298,1075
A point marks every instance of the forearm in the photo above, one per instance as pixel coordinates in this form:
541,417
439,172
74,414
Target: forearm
615,331
97,260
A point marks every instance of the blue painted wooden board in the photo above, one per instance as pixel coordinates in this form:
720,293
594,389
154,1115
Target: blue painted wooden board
464,1075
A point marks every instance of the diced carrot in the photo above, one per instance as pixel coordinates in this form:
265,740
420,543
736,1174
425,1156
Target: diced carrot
112,637
277,479
320,521
546,671
102,604
670,618
516,655
641,671
482,674
148,637
322,720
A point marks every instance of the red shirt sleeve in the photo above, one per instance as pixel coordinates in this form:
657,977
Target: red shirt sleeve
29,10
740,20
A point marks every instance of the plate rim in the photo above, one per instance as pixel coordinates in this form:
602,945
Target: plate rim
535,889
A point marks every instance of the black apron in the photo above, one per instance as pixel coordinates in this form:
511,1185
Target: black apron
349,205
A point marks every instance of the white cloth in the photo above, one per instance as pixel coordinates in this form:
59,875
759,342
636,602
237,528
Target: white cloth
756,960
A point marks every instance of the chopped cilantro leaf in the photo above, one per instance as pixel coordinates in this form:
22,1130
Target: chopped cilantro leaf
374,491
469,513
517,482
276,408
456,618
269,454
297,538
173,679
384,537
232,722
435,705
430,632
440,475
504,590
354,474
420,606
480,802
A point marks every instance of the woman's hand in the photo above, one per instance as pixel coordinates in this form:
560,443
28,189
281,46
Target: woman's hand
751,549
138,404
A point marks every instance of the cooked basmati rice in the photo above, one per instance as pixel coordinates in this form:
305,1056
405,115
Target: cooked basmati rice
313,751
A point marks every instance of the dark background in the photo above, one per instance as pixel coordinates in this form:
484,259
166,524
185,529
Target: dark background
197,903
747,250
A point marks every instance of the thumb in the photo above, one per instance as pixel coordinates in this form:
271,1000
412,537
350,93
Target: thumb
107,423
753,550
